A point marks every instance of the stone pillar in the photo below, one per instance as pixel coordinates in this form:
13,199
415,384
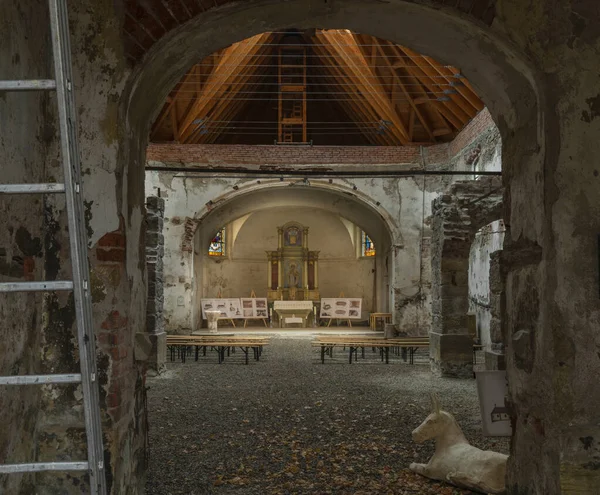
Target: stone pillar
269,272
155,209
494,357
316,273
451,346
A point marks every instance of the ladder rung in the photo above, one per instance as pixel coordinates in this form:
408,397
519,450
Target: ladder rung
44,466
31,188
36,286
28,85
40,379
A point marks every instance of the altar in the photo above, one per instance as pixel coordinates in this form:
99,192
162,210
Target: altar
293,269
291,310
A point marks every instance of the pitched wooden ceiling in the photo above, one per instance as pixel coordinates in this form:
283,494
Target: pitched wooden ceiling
359,90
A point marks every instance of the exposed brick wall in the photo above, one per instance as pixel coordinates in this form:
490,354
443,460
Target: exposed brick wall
236,154
481,123
268,156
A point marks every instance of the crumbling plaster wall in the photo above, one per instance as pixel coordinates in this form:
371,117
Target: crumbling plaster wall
37,331
488,240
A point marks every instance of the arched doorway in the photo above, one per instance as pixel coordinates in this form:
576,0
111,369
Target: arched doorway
513,106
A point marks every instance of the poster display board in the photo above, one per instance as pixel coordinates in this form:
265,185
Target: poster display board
341,307
492,387
254,307
229,308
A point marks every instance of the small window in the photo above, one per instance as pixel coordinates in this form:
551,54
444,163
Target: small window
217,245
368,248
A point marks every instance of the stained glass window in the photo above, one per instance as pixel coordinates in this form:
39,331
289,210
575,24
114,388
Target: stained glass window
368,248
217,245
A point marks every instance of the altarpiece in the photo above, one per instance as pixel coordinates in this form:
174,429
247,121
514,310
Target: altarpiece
293,269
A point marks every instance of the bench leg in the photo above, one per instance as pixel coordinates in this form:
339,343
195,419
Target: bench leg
246,352
322,354
350,354
197,350
387,355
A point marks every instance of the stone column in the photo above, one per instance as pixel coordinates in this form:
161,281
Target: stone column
316,272
451,346
155,209
494,357
269,271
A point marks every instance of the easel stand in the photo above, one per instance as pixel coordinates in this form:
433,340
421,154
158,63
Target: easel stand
264,320
340,319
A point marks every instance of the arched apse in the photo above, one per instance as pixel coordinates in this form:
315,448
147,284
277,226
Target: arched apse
319,198
244,268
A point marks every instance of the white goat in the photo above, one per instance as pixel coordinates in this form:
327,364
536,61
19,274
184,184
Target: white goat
455,460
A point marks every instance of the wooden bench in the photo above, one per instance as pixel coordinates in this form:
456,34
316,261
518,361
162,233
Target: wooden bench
409,344
327,346
221,344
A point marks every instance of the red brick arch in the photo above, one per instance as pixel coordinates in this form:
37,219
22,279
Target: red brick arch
147,21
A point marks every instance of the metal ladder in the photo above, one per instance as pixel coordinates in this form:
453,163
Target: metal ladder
80,285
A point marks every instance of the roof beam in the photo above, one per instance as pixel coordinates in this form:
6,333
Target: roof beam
358,105
401,85
427,75
345,47
219,81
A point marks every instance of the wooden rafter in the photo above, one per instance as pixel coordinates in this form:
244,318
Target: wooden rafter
358,104
427,76
220,80
344,47
237,83
399,84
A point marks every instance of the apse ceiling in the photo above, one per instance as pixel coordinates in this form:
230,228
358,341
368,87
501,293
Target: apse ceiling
320,87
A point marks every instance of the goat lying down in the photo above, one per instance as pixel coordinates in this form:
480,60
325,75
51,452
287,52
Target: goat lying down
455,460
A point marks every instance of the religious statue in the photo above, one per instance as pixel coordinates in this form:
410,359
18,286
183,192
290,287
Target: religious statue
293,276
455,460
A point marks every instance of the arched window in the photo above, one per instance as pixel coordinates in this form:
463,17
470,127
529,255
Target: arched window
368,248
217,245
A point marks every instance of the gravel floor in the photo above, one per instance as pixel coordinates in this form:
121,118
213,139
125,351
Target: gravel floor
290,425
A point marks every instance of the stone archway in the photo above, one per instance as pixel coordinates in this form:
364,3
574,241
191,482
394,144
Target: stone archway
203,215
457,216
504,78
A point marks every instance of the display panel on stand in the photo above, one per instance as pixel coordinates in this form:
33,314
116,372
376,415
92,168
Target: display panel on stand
254,307
228,308
341,307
